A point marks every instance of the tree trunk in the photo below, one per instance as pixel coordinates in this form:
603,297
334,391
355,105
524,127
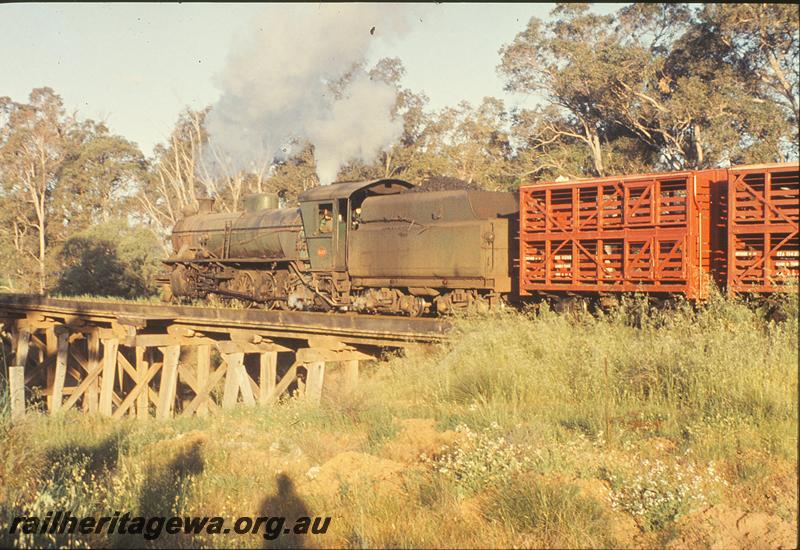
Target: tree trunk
42,266
699,155
597,154
387,165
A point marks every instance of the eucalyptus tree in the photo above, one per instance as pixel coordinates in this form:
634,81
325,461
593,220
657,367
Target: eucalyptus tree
58,176
33,143
655,86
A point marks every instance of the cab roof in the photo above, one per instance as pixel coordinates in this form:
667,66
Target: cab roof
383,186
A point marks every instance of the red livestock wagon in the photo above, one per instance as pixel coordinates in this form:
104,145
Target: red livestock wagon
661,233
763,211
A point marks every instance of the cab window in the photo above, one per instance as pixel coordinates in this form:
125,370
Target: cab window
325,218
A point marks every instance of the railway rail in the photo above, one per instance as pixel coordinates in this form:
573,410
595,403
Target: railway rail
127,359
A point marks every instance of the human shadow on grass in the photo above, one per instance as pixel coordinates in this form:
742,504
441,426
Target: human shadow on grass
161,496
286,503
75,469
96,459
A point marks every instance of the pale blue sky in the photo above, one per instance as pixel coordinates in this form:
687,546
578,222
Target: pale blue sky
138,65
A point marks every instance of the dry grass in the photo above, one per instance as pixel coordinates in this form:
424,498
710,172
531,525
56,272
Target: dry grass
562,430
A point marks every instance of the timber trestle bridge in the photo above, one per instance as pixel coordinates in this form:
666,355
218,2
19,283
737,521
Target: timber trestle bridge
124,359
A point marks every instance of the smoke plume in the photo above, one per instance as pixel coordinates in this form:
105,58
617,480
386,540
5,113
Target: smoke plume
276,87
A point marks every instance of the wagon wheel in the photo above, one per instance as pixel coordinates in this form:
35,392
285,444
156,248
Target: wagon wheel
268,290
245,283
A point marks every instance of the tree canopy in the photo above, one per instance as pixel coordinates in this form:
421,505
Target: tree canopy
655,86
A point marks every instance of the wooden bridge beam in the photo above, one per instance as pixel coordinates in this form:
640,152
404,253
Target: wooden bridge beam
169,382
349,374
142,361
93,362
236,381
60,372
109,374
51,343
268,372
16,372
84,387
203,373
314,380
140,390
205,391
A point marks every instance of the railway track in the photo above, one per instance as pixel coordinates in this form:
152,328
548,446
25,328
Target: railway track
376,330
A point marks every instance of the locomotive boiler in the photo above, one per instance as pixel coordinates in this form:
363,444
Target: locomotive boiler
369,246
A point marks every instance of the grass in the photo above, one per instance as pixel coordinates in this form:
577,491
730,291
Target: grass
96,298
147,300
558,513
567,430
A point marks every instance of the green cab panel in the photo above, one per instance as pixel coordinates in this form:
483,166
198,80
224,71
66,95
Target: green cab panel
328,239
319,235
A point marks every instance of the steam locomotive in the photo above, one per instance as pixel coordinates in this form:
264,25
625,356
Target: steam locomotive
367,246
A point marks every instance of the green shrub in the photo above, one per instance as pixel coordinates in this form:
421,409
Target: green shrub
556,514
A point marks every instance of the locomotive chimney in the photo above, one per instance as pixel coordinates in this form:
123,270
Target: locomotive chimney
205,205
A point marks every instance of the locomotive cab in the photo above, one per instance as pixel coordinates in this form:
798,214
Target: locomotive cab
328,213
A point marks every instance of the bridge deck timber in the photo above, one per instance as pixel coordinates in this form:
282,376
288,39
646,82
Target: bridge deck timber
130,359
